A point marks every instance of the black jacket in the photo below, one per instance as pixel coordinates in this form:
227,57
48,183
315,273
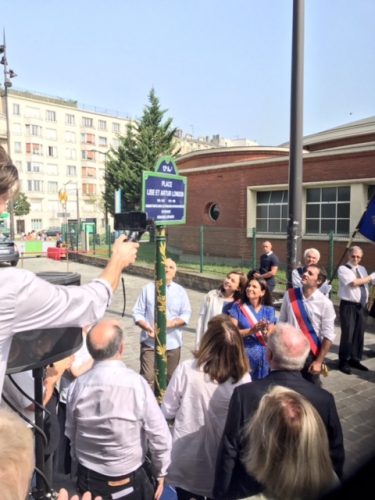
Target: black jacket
231,479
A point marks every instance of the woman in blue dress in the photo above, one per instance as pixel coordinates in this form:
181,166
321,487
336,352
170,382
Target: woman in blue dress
254,315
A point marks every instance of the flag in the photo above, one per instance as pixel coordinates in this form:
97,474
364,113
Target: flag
366,226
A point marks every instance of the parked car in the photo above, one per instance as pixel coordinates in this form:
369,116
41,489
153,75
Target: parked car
52,231
9,251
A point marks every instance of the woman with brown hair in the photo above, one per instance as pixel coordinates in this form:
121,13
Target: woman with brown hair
287,448
220,301
254,315
197,397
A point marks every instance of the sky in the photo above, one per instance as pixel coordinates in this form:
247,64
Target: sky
218,66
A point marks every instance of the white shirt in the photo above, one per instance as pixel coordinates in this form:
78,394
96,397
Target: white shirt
320,311
178,306
28,302
211,306
112,418
80,357
200,409
296,282
347,276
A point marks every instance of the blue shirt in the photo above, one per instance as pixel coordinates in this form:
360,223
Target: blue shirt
178,306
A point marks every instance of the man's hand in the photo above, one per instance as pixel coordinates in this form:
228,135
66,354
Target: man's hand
315,368
150,332
64,495
257,275
159,488
56,371
126,251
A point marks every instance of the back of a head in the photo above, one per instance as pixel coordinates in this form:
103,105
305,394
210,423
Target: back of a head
8,174
289,348
16,456
287,447
104,340
221,353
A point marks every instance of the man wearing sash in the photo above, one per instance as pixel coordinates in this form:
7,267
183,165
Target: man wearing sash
353,292
311,312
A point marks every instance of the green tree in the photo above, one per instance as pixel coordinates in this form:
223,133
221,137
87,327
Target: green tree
21,205
145,141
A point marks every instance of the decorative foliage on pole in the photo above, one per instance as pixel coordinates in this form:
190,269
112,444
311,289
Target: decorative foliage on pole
160,315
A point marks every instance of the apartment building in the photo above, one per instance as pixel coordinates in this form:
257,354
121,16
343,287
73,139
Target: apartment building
57,145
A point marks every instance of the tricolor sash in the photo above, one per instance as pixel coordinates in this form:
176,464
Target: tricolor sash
304,323
251,318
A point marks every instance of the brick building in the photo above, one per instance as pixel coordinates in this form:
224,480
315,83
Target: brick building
233,190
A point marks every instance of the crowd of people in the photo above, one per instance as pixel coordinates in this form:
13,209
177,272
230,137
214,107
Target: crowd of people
246,416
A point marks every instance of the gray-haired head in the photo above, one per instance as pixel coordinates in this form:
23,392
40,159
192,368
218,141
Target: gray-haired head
287,348
104,341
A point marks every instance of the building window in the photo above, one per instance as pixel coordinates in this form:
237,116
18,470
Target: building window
17,147
51,116
102,141
272,208
36,206
32,112
71,170
53,206
102,125
88,138
88,189
70,119
70,137
88,172
17,130
115,143
328,209
36,224
51,133
88,155
52,169
116,128
34,130
18,164
214,211
70,154
87,122
34,167
35,149
16,109
35,185
52,187
52,151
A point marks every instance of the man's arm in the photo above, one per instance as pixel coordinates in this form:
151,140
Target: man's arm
316,366
285,307
327,333
140,313
184,312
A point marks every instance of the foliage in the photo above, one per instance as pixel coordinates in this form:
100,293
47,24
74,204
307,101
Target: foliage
145,141
21,205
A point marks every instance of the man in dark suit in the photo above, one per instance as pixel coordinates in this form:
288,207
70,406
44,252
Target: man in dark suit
287,350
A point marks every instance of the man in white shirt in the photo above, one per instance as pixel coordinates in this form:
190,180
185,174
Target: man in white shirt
28,302
178,315
112,420
310,256
354,293
319,314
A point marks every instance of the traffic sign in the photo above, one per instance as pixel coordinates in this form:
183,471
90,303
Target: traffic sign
164,194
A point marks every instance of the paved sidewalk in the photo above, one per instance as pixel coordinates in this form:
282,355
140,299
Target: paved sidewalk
354,395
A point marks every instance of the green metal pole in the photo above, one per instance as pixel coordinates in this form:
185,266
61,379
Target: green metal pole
254,242
331,248
160,315
201,248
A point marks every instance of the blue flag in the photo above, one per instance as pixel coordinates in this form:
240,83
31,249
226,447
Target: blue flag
366,227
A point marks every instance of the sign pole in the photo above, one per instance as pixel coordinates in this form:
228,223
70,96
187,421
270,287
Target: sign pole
160,326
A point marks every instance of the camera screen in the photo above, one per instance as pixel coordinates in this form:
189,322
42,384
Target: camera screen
131,221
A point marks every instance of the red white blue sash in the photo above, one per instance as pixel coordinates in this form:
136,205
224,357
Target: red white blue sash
252,320
303,320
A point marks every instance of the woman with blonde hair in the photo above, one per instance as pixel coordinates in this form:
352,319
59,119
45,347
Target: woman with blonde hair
287,448
220,301
198,397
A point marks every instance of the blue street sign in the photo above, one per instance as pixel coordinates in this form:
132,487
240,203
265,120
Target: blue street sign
164,198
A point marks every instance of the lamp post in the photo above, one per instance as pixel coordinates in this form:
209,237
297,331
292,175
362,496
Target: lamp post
7,84
105,183
77,202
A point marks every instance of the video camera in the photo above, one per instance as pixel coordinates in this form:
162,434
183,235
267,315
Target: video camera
134,224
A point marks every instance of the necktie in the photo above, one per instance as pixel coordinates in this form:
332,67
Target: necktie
362,289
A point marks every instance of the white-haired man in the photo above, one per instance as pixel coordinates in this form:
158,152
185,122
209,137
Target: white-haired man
310,256
354,293
178,315
287,349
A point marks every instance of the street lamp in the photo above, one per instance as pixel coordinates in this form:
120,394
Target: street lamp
105,183
7,84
